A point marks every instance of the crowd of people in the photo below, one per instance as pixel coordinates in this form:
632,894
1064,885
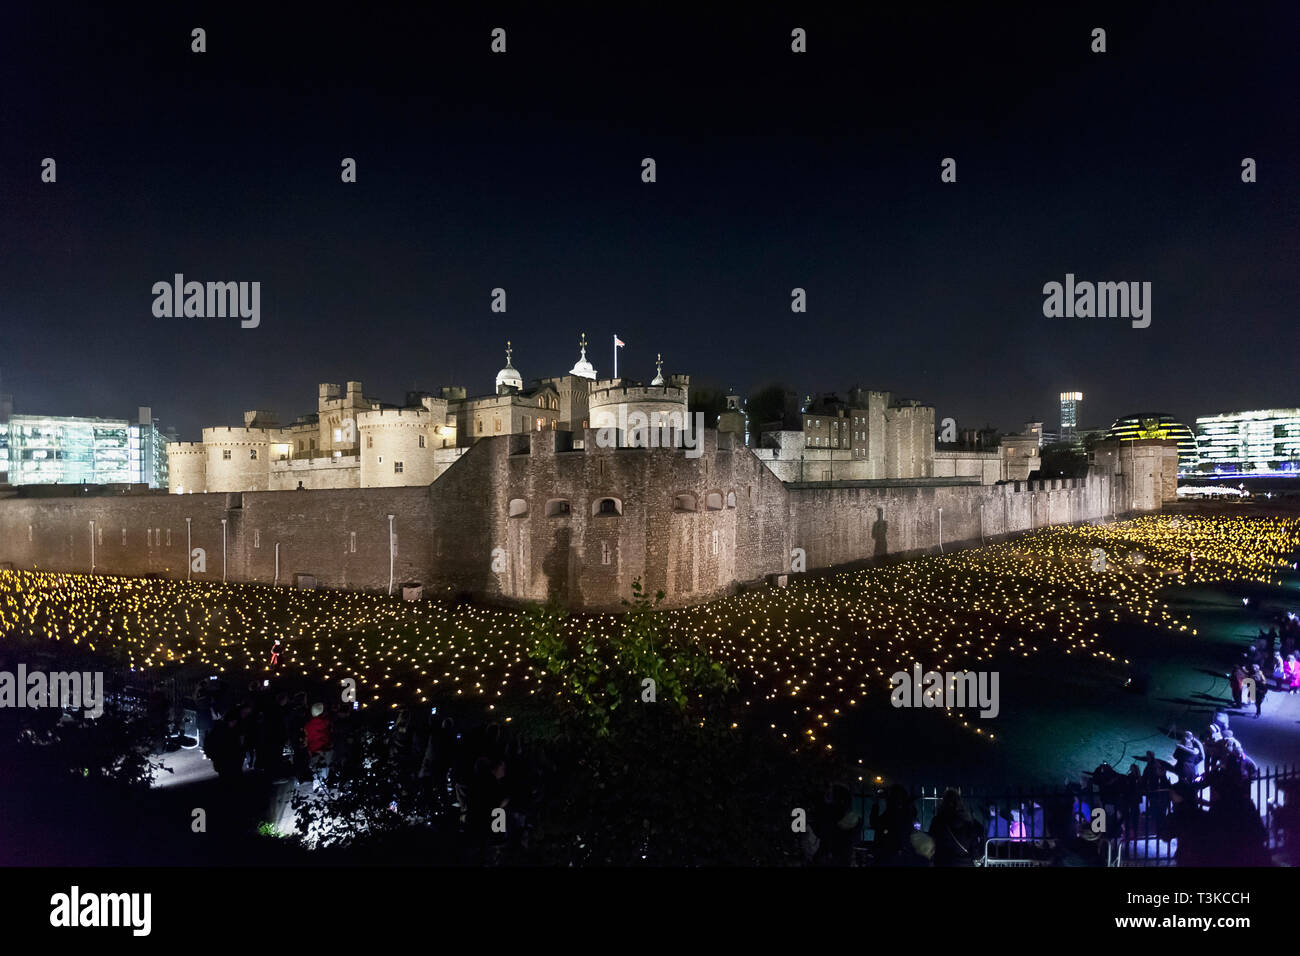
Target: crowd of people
487,784
1271,663
1200,796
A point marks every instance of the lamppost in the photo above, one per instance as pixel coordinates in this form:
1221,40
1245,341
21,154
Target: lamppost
189,551
392,553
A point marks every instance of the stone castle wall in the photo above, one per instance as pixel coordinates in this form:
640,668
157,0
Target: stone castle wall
520,518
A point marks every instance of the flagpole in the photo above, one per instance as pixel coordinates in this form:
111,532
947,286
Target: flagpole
616,356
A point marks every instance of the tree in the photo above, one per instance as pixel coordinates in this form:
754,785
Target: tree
711,401
774,405
669,778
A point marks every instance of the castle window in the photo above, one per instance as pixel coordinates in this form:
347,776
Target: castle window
557,508
713,501
731,499
257,538
607,506
338,434
352,542
421,441
370,441
684,502
518,507
397,467
225,454
606,553
480,426
169,537
252,454
540,423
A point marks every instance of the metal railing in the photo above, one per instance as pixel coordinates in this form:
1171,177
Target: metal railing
1029,827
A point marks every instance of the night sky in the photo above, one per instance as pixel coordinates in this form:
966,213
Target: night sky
775,170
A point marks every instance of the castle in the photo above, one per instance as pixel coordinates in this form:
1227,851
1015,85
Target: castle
522,496
353,441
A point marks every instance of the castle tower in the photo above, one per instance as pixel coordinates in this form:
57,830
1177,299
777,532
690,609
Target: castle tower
583,368
509,379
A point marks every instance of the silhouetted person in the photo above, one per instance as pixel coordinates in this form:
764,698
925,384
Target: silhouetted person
880,533
958,838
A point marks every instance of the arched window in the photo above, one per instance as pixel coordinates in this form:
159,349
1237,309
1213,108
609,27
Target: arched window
713,501
684,502
731,499
518,507
607,507
557,508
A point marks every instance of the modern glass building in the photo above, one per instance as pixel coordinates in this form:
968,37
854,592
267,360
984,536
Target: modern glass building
1250,443
1149,425
1070,402
45,450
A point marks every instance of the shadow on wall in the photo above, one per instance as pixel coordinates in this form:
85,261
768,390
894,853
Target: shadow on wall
555,566
880,533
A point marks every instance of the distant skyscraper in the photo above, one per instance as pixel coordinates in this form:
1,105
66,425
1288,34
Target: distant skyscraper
1154,425
1070,402
44,449
1266,441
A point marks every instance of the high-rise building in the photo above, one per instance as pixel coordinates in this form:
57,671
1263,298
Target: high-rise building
1259,442
1070,402
47,449
1154,425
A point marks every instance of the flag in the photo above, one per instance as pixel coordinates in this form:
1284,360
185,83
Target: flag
619,343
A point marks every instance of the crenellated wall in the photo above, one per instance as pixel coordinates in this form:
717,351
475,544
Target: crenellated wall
552,514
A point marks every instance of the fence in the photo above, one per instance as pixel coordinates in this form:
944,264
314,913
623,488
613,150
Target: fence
1026,827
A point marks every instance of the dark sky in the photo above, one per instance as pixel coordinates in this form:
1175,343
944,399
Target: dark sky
775,170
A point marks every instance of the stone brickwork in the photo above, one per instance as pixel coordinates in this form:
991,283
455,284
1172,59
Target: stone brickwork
551,514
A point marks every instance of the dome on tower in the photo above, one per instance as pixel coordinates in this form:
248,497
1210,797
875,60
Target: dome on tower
583,368
509,376
659,367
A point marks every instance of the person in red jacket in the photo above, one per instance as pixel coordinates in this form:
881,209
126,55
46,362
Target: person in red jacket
319,731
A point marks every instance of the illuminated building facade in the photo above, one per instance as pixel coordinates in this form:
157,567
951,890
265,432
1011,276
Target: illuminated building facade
1153,425
1259,442
1070,402
46,450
